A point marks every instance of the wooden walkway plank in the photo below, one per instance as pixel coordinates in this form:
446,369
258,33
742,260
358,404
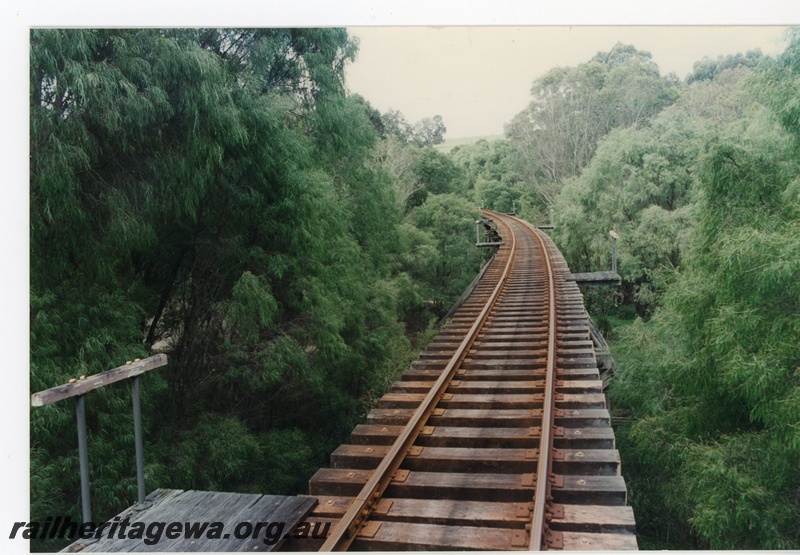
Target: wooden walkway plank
594,518
201,509
595,278
287,511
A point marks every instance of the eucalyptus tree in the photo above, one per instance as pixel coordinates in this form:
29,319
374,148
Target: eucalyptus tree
572,108
396,126
711,383
448,260
430,131
641,183
708,69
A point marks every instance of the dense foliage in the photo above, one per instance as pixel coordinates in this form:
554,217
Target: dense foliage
714,379
700,181
571,109
216,195
710,69
703,191
640,183
426,132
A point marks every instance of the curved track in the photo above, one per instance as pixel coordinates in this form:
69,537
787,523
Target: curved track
497,437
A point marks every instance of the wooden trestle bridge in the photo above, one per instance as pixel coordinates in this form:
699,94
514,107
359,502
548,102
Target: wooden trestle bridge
497,438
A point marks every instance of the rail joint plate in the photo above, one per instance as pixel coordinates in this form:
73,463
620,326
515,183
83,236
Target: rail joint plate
555,511
554,540
369,530
519,538
382,507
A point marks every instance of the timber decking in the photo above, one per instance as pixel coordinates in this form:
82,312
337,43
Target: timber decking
595,278
231,509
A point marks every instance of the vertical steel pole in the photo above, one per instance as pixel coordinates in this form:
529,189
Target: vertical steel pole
83,457
477,232
137,432
613,254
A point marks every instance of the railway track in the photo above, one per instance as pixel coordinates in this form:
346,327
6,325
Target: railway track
497,437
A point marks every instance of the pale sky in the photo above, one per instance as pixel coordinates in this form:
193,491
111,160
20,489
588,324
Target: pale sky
478,78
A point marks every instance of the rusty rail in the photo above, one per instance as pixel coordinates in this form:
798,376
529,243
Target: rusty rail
356,516
497,437
544,466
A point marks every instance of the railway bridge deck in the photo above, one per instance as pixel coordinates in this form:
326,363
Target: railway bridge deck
497,437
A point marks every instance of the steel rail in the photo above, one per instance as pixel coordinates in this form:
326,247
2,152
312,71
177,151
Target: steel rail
346,530
544,464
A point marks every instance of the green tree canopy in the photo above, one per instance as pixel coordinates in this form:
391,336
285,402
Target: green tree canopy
572,108
712,380
450,260
430,131
708,69
641,183
210,193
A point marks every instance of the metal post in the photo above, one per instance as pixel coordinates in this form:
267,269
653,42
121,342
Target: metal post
83,457
613,255
614,238
477,231
137,432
